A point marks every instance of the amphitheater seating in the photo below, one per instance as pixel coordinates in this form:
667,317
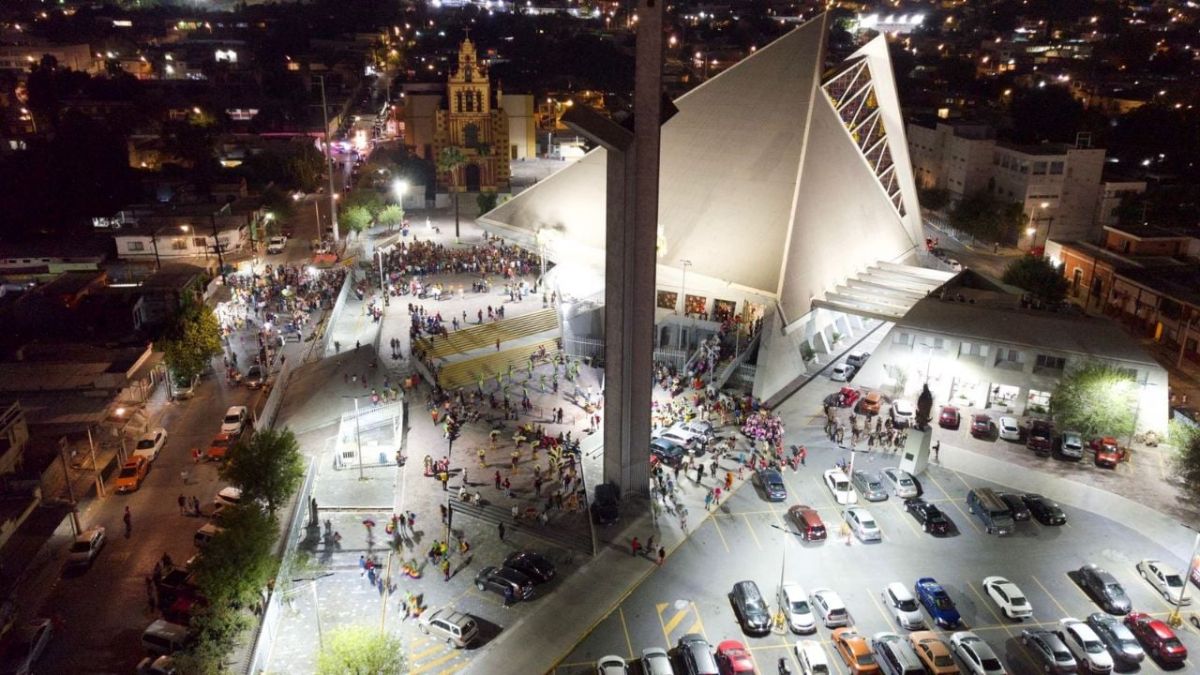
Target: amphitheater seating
486,335
468,371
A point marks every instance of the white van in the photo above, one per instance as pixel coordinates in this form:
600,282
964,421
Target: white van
164,637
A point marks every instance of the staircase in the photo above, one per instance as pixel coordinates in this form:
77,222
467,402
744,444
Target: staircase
486,335
551,534
470,371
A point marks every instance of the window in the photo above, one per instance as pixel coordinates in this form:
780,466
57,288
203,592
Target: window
1039,168
200,242
903,339
134,246
1050,362
972,349
179,244
471,135
1056,168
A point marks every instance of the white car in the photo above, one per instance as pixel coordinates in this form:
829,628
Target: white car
955,266
901,482
1072,445
228,496
795,606
684,438
976,654
276,244
842,372
903,413
656,661
235,419
24,646
828,605
1010,430
839,485
150,444
1008,597
862,523
611,665
903,606
811,657
1085,646
1165,580
86,547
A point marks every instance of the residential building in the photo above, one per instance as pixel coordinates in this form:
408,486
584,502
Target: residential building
19,57
1113,192
155,233
522,126
953,156
979,346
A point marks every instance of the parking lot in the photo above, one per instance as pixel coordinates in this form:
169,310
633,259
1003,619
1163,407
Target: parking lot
750,538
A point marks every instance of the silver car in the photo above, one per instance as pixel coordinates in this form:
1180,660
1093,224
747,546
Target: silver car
869,485
655,661
901,482
862,523
902,605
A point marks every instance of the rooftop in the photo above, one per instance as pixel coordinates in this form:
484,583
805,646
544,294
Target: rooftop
1181,282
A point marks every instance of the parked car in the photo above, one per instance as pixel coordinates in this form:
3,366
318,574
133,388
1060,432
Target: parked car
796,610
903,606
1049,650
24,646
531,564
934,653
1168,582
1016,506
1071,445
667,452
1104,589
1041,437
982,426
976,654
949,418
276,244
869,485
235,420
228,496
1108,452
656,661
841,372
1156,637
900,481
846,397
855,651
750,608
456,628
733,658
771,483
931,518
857,358
871,403
812,659
255,377
1085,646
1009,429
132,474
862,524
611,665
829,607
219,447
1116,637
151,443
1008,597
895,655
937,602
903,413
86,547
497,579
839,485
808,521
1045,511
696,654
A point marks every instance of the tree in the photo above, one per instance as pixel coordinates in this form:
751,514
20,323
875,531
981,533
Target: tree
983,216
1039,276
1048,113
356,218
1095,399
391,216
487,201
448,161
192,341
356,650
1186,462
238,562
268,466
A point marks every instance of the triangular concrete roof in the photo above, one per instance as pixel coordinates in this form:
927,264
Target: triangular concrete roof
762,186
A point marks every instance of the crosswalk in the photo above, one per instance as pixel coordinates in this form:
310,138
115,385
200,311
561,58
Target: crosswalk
427,655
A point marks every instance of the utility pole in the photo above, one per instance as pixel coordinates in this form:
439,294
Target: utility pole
217,241
329,163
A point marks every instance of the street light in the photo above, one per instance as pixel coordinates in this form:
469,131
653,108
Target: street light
1174,619
683,284
400,188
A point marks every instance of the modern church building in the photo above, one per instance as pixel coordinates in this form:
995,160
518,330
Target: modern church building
786,195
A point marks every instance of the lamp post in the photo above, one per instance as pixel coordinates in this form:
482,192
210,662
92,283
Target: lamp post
1137,410
329,162
1174,619
154,243
683,284
357,436
782,614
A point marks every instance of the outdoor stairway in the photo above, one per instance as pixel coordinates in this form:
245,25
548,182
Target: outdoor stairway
486,335
551,533
468,371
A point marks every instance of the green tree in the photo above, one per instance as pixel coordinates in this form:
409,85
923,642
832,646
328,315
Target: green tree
1095,399
192,341
356,218
356,650
267,466
983,216
935,199
1186,461
305,164
448,161
367,199
487,201
1039,276
391,215
239,561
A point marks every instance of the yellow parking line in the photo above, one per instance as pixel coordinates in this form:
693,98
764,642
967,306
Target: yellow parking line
875,601
674,622
1052,598
965,515
905,517
753,533
425,652
720,534
433,665
666,635
1001,623
698,621
625,630
1078,589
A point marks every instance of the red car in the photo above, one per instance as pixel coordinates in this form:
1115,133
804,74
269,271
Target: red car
1156,637
1108,452
847,397
733,657
949,419
981,426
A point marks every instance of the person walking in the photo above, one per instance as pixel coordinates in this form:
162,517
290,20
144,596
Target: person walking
501,528
128,518
634,546
508,596
182,505
662,555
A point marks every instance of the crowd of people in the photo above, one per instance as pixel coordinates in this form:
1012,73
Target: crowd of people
406,265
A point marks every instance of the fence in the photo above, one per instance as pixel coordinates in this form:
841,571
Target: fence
267,418
339,305
674,357
585,348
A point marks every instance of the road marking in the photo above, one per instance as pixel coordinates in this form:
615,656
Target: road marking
753,533
699,624
720,534
1052,598
887,618
987,603
427,667
425,652
625,630
969,519
906,518
675,620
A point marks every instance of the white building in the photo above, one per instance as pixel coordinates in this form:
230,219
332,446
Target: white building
163,233
977,347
